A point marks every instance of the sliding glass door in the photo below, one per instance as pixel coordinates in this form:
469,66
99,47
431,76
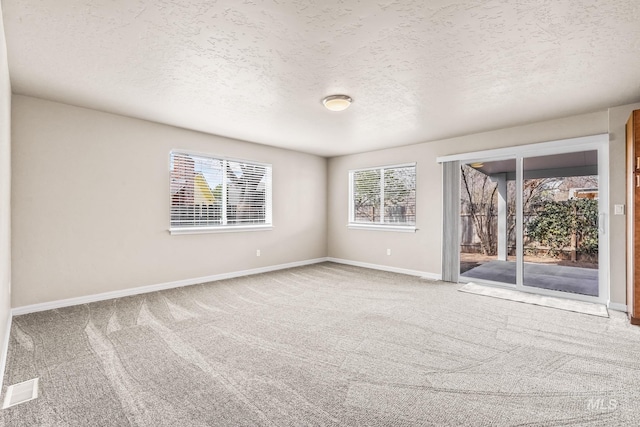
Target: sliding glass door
561,222
534,221
488,221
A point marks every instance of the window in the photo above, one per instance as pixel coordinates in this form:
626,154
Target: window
216,194
383,198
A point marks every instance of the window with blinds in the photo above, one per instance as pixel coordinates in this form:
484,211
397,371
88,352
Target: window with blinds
209,193
383,196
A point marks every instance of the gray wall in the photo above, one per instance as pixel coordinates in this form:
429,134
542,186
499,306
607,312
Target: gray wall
5,192
91,205
421,251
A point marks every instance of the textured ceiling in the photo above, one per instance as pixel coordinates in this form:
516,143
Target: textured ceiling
257,70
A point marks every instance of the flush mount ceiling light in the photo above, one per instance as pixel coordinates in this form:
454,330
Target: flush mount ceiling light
337,102
477,165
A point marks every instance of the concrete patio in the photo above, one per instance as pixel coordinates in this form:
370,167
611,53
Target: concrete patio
575,280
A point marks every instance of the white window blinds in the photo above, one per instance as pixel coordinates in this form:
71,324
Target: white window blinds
208,192
385,195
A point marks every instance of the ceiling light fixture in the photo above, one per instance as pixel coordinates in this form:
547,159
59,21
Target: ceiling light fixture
337,102
477,165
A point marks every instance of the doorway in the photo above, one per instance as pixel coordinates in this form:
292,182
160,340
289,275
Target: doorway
534,220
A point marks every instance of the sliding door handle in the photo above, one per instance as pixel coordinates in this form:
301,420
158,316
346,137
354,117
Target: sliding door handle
601,222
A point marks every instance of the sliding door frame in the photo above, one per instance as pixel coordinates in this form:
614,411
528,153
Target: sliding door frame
599,143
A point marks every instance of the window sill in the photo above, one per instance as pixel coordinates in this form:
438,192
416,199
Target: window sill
385,227
220,229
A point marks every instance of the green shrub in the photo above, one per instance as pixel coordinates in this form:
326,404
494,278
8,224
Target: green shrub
554,223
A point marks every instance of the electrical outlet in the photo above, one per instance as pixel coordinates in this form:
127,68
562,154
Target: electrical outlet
258,252
618,209
388,251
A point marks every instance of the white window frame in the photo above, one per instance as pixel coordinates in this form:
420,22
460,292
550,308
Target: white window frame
224,228
379,226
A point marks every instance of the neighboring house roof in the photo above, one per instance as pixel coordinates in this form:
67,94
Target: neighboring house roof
202,193
583,193
177,184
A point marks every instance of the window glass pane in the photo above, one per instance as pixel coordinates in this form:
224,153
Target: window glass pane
366,197
400,195
246,193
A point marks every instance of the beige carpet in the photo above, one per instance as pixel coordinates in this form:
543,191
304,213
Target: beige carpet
325,345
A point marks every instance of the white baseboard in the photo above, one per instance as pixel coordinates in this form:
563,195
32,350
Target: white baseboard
5,349
617,306
153,288
426,275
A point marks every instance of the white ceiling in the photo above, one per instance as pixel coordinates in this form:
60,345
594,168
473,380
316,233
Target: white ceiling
256,70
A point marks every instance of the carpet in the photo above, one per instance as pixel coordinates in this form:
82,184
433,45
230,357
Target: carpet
323,345
543,300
